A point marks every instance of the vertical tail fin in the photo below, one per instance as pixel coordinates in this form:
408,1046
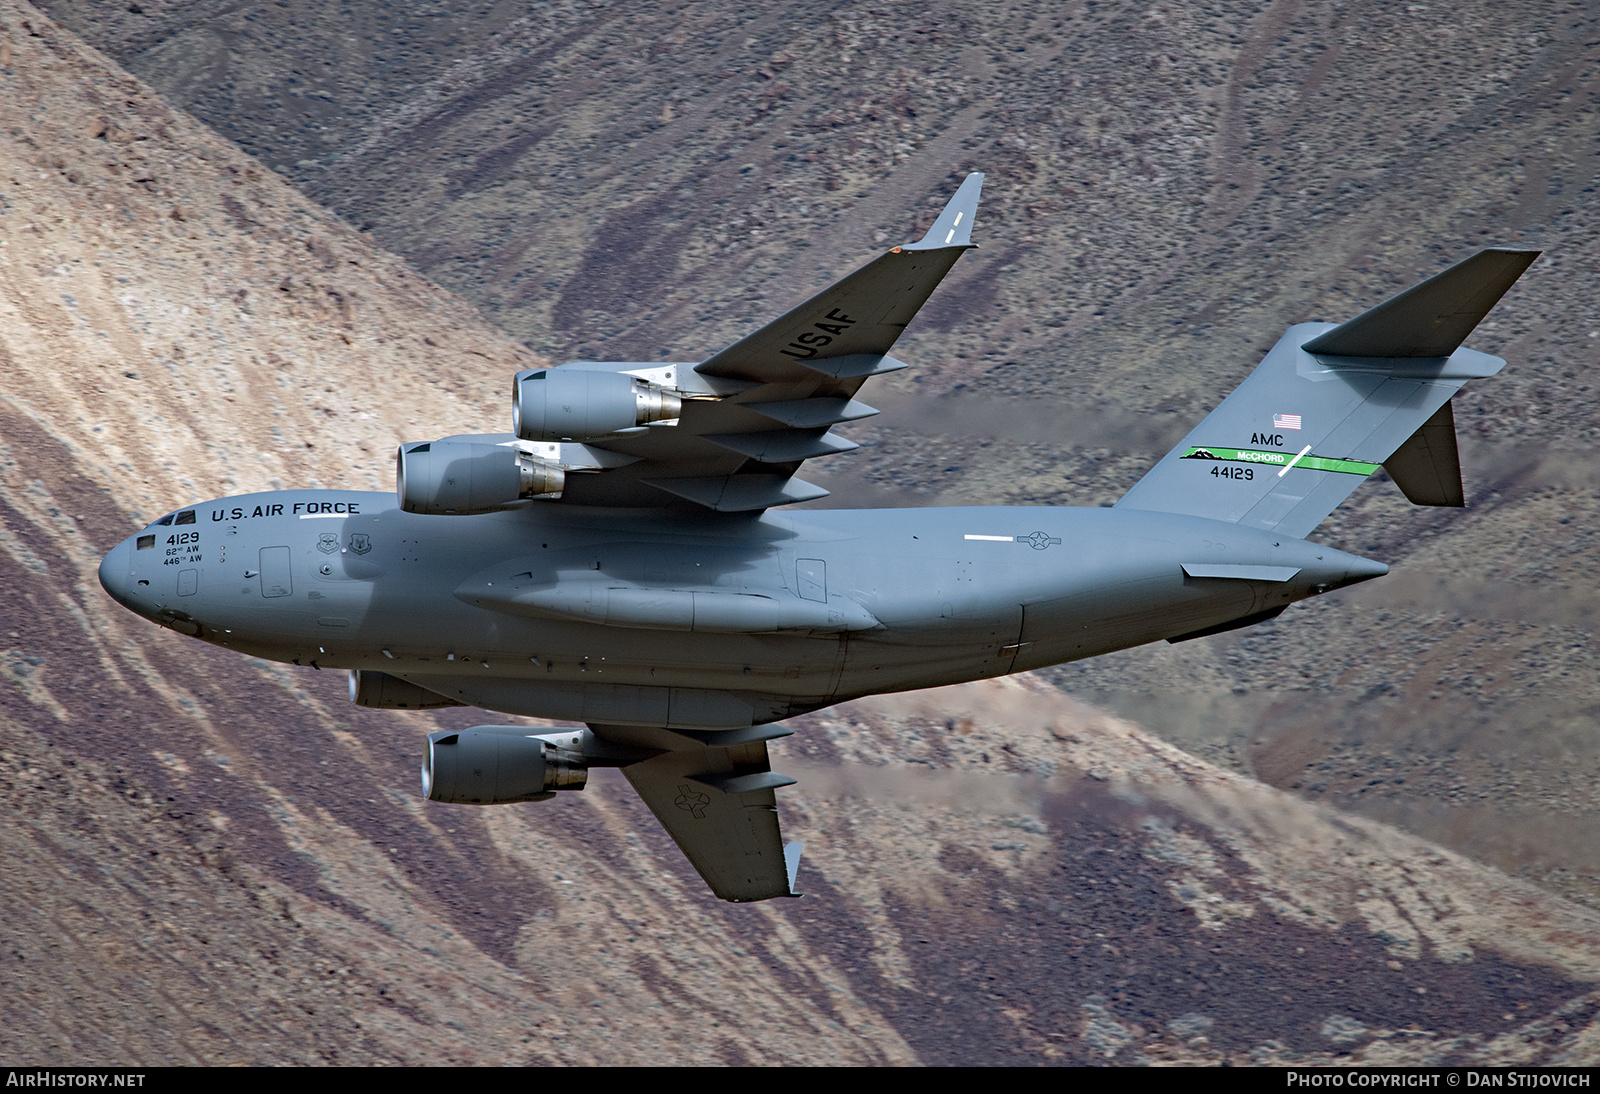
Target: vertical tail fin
1331,404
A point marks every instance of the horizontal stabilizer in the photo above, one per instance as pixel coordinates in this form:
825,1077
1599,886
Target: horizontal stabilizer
1431,319
1427,468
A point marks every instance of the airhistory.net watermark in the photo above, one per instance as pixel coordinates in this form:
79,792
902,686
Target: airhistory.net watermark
51,1078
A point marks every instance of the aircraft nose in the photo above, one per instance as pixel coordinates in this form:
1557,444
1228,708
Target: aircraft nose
115,577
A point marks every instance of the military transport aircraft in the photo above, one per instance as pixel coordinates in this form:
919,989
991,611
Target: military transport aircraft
621,559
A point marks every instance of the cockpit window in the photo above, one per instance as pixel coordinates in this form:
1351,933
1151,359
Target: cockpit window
146,542
185,517
165,520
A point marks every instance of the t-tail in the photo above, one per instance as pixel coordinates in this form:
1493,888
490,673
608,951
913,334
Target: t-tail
1331,404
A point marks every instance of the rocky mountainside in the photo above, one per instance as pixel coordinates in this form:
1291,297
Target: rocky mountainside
1170,185
218,860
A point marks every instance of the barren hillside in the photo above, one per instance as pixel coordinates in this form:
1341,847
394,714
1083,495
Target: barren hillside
218,860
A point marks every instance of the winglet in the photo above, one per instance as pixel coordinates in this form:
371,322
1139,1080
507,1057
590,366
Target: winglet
954,226
791,861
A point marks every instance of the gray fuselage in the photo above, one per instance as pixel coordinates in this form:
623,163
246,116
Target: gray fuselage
646,617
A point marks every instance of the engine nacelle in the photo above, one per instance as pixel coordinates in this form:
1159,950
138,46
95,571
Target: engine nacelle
385,692
464,478
494,765
570,404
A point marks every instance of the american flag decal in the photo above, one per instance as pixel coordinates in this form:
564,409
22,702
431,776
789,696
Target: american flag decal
1286,421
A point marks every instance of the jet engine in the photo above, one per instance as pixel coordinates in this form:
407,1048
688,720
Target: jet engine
558,404
464,478
494,765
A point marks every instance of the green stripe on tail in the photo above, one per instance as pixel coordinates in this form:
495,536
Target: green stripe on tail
1281,459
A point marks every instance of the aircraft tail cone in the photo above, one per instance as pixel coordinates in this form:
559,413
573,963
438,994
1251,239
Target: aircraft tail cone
1336,569
1365,570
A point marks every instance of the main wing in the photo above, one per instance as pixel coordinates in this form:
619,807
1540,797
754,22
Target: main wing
710,789
754,412
713,793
